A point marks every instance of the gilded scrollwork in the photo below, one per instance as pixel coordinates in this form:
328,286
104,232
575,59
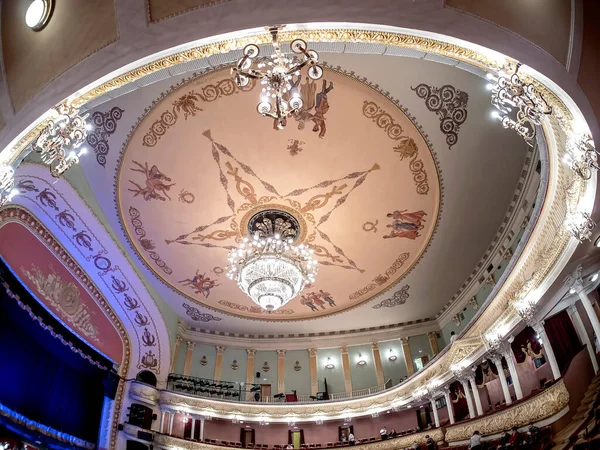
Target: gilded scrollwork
544,405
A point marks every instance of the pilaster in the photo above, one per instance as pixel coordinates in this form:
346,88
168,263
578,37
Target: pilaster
188,357
219,362
346,366
410,367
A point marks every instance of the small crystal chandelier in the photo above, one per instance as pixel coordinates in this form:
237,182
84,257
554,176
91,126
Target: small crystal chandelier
65,132
581,226
268,267
526,310
582,156
509,93
278,100
7,184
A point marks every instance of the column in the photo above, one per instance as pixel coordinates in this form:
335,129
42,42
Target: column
476,395
162,421
449,405
465,385
314,381
378,366
219,362
541,332
346,366
410,367
587,304
512,368
171,418
497,360
193,426
583,336
178,340
201,437
433,342
188,357
436,418
250,373
280,371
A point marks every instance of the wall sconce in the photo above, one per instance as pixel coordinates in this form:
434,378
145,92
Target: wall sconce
186,418
329,364
361,362
392,357
203,361
235,365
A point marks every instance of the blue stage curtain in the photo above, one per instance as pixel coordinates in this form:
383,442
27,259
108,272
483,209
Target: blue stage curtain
43,379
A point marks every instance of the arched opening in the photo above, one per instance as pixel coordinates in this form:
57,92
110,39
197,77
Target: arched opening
145,376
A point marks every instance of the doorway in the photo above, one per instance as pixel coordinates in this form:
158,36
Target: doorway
265,390
247,436
344,432
296,439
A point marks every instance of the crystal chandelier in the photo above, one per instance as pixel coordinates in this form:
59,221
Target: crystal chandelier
7,184
66,132
581,226
268,267
582,156
511,92
279,99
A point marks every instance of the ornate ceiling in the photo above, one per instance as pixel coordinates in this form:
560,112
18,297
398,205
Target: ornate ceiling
374,170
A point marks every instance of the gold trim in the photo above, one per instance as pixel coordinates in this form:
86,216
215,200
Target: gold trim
546,404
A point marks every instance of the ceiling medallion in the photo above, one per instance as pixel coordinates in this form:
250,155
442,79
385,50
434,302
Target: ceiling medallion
268,267
279,99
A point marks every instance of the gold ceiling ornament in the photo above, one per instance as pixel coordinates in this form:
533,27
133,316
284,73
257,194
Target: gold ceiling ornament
545,404
280,98
57,142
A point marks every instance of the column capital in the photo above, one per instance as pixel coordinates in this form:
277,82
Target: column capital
572,309
312,352
575,281
471,378
432,335
539,327
404,340
473,303
344,349
281,353
178,339
507,254
251,352
445,390
220,350
375,345
190,344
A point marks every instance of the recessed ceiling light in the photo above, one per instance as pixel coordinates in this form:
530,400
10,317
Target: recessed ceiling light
572,291
38,14
594,277
597,242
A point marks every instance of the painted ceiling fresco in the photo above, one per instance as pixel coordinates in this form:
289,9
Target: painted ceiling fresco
351,168
52,284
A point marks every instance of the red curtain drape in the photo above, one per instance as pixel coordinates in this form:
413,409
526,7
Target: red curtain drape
563,338
187,430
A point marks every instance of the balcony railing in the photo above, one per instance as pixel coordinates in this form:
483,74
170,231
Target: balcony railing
240,392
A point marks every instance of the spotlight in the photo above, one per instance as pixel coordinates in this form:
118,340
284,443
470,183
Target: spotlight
38,14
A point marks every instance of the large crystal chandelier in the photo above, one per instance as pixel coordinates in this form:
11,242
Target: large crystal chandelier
267,266
58,140
278,99
512,92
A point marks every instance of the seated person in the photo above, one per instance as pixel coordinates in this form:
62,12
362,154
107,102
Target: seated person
504,438
533,434
351,439
383,433
429,442
475,442
415,446
393,433
515,438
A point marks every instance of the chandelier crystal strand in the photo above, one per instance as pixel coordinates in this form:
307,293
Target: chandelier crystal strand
510,92
64,133
582,155
270,270
279,99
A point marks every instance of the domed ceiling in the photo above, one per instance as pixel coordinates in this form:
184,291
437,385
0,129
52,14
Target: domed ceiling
395,171
351,168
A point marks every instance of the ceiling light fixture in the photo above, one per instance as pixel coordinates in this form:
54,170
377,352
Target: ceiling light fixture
510,92
594,277
38,14
64,133
361,362
392,357
268,267
279,98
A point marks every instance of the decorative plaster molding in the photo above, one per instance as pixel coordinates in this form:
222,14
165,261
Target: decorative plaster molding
543,405
144,393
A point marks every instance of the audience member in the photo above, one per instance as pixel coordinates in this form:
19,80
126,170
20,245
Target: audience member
351,439
514,439
430,442
383,433
504,437
475,443
415,446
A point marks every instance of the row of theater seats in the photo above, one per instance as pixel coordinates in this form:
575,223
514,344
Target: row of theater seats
543,442
207,387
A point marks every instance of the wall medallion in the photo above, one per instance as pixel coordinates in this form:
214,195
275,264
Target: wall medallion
265,367
203,361
297,366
